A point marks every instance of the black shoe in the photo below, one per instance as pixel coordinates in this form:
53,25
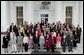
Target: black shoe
15,51
18,51
69,51
12,52
32,47
25,51
72,51
35,51
63,51
52,51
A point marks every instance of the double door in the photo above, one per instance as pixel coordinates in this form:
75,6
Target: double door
44,18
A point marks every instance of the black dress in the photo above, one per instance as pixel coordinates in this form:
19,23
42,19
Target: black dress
26,46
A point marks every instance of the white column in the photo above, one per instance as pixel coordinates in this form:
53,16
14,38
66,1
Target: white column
24,11
29,11
59,11
4,16
8,13
76,14
12,12
81,14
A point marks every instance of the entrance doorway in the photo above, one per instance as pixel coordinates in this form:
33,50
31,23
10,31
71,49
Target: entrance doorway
44,18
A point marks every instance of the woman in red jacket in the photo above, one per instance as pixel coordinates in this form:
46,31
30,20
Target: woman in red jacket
58,41
52,43
47,42
39,34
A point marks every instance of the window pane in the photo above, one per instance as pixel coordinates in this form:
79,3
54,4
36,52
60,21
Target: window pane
19,14
68,11
69,14
19,11
44,15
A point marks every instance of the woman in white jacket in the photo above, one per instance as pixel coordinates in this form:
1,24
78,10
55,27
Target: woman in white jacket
41,41
13,41
25,42
30,42
20,42
54,35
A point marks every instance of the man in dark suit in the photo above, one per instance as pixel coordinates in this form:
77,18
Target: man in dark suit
8,34
78,30
35,40
70,41
64,43
75,38
16,30
52,43
67,37
12,27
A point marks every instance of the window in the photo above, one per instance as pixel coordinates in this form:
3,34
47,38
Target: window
69,14
19,15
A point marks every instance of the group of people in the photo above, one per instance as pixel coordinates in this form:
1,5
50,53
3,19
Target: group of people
41,35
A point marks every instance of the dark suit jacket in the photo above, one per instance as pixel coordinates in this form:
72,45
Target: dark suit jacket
35,40
11,28
16,30
64,42
70,40
8,36
5,42
78,30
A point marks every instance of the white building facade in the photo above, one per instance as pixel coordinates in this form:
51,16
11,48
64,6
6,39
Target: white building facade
32,11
